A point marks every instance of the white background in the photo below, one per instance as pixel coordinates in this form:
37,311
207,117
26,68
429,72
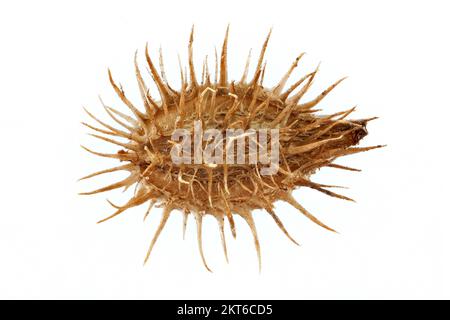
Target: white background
393,243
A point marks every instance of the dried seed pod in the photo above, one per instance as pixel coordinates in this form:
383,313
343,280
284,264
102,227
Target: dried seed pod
223,187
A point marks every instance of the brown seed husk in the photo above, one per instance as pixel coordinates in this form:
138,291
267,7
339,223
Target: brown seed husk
307,143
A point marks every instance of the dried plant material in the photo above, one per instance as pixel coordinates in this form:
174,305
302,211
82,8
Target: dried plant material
208,181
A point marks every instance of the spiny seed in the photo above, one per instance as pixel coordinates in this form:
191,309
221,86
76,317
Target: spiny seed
306,143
